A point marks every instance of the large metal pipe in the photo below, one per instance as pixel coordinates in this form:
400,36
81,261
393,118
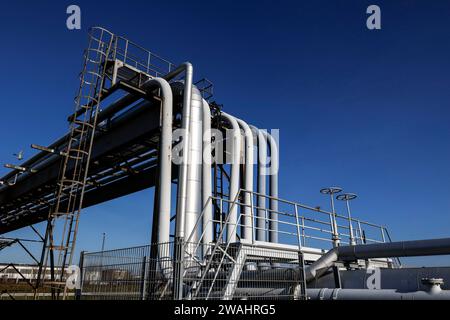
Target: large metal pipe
273,183
58,144
206,178
262,172
246,230
338,294
183,169
163,192
113,108
182,180
194,174
365,294
234,180
378,250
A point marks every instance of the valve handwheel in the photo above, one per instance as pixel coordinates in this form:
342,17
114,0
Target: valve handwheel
331,190
346,196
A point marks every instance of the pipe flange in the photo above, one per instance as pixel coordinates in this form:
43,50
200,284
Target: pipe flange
433,285
433,281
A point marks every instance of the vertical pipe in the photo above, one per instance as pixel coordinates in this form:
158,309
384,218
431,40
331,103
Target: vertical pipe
163,192
350,224
273,183
182,179
234,181
261,200
246,232
206,179
336,241
194,174
182,175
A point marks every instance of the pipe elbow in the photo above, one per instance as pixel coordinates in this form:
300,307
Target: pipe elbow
322,265
162,84
188,67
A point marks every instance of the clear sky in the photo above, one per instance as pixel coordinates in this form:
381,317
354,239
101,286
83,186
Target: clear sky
365,110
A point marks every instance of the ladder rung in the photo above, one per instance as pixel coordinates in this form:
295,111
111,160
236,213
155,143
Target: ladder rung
78,151
83,123
86,107
71,182
59,248
61,214
74,157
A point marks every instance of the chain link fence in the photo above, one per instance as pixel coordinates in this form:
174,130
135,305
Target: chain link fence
215,271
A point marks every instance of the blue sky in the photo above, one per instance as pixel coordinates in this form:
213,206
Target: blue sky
365,110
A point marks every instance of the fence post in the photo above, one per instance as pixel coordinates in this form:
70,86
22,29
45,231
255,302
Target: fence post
178,270
297,222
143,278
78,291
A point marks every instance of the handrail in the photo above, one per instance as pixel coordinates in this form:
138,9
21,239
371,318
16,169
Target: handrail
299,224
217,245
302,218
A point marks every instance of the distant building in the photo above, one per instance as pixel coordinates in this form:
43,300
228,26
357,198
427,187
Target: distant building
28,271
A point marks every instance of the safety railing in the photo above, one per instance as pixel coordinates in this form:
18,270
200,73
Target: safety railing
292,223
135,55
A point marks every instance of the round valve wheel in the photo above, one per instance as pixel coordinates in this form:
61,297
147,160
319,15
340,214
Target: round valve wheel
331,190
346,196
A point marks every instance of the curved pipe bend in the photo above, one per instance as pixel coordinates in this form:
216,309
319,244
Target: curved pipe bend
165,159
273,182
161,214
246,230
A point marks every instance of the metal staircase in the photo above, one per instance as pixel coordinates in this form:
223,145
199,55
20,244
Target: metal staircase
221,269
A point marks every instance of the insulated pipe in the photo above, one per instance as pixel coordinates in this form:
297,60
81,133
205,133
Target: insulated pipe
178,271
162,211
104,114
273,182
206,178
246,231
261,203
161,214
194,174
341,294
366,294
378,250
234,180
183,169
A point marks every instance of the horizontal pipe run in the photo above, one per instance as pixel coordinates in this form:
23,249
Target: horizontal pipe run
343,294
366,294
378,250
103,115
